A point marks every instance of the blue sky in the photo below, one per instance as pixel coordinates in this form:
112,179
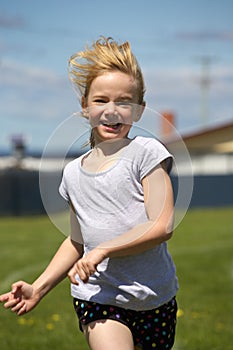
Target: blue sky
169,37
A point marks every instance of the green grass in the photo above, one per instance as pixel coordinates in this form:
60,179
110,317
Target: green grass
202,250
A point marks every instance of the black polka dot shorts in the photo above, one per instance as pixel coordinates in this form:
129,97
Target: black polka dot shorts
151,329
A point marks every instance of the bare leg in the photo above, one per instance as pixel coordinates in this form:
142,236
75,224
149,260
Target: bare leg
108,334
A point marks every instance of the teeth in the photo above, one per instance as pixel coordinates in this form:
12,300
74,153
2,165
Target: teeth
112,125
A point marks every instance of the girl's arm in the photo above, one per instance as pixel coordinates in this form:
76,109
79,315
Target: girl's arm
24,297
159,204
158,198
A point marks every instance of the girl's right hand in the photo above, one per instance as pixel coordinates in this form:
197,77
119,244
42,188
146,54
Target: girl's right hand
21,299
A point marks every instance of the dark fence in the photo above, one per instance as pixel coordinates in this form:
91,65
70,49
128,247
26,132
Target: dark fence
210,190
20,192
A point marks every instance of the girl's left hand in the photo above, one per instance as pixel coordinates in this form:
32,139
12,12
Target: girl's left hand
87,265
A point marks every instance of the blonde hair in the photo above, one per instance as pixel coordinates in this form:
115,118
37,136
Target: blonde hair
103,56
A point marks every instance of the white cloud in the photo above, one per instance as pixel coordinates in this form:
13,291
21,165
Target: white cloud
12,22
180,90
206,35
15,74
33,102
31,91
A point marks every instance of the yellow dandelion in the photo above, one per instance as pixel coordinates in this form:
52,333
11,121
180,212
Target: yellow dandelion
180,313
50,326
56,317
22,321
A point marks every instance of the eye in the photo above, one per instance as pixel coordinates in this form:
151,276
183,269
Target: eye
99,101
124,104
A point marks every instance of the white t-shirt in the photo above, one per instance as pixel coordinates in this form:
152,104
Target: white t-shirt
108,204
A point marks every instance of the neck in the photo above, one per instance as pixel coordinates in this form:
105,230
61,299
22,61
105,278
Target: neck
110,147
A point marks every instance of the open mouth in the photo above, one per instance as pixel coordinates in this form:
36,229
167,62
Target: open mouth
115,126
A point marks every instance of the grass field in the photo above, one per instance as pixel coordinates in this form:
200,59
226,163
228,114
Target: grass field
202,250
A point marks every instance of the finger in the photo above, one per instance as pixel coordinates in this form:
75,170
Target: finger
11,303
18,306
83,275
16,286
23,310
4,297
87,266
86,271
90,270
71,276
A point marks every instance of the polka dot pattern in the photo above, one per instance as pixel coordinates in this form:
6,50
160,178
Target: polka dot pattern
151,329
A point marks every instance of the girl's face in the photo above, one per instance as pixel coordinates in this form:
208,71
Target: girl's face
112,105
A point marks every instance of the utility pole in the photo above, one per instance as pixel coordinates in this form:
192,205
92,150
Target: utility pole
205,82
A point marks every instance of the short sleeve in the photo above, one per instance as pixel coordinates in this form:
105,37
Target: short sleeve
63,188
69,179
153,153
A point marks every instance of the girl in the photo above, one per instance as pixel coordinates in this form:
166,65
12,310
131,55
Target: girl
121,214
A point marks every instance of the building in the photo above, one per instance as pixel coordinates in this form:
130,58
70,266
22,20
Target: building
211,158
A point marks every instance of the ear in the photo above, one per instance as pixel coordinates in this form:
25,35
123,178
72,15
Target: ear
83,101
84,107
139,111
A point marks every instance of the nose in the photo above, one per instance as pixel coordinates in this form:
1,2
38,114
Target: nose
110,108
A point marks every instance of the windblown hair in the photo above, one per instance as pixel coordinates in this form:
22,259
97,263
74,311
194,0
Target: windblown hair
105,55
